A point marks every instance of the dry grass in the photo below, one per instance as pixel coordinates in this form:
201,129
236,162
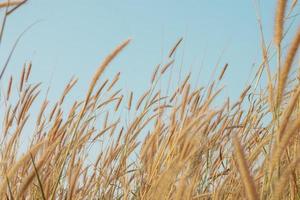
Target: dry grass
174,146
10,3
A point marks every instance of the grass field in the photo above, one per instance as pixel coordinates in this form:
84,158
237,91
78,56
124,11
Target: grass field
177,146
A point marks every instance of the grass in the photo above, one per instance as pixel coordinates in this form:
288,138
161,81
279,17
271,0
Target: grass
192,149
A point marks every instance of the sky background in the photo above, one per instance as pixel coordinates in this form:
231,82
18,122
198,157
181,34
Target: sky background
73,37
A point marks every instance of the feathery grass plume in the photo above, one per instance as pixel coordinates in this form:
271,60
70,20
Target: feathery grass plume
67,89
243,168
278,35
223,72
166,66
130,100
118,103
9,88
141,99
22,78
28,71
174,95
11,3
175,47
184,102
244,93
102,67
187,78
114,81
155,74
279,21
288,65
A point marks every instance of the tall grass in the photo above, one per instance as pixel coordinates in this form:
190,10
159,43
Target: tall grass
192,149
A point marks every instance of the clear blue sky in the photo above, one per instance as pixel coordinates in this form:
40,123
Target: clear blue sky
74,36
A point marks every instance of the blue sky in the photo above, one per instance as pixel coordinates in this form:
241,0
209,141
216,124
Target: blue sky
73,37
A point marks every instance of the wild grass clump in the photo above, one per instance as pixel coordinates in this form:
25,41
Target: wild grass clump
176,146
